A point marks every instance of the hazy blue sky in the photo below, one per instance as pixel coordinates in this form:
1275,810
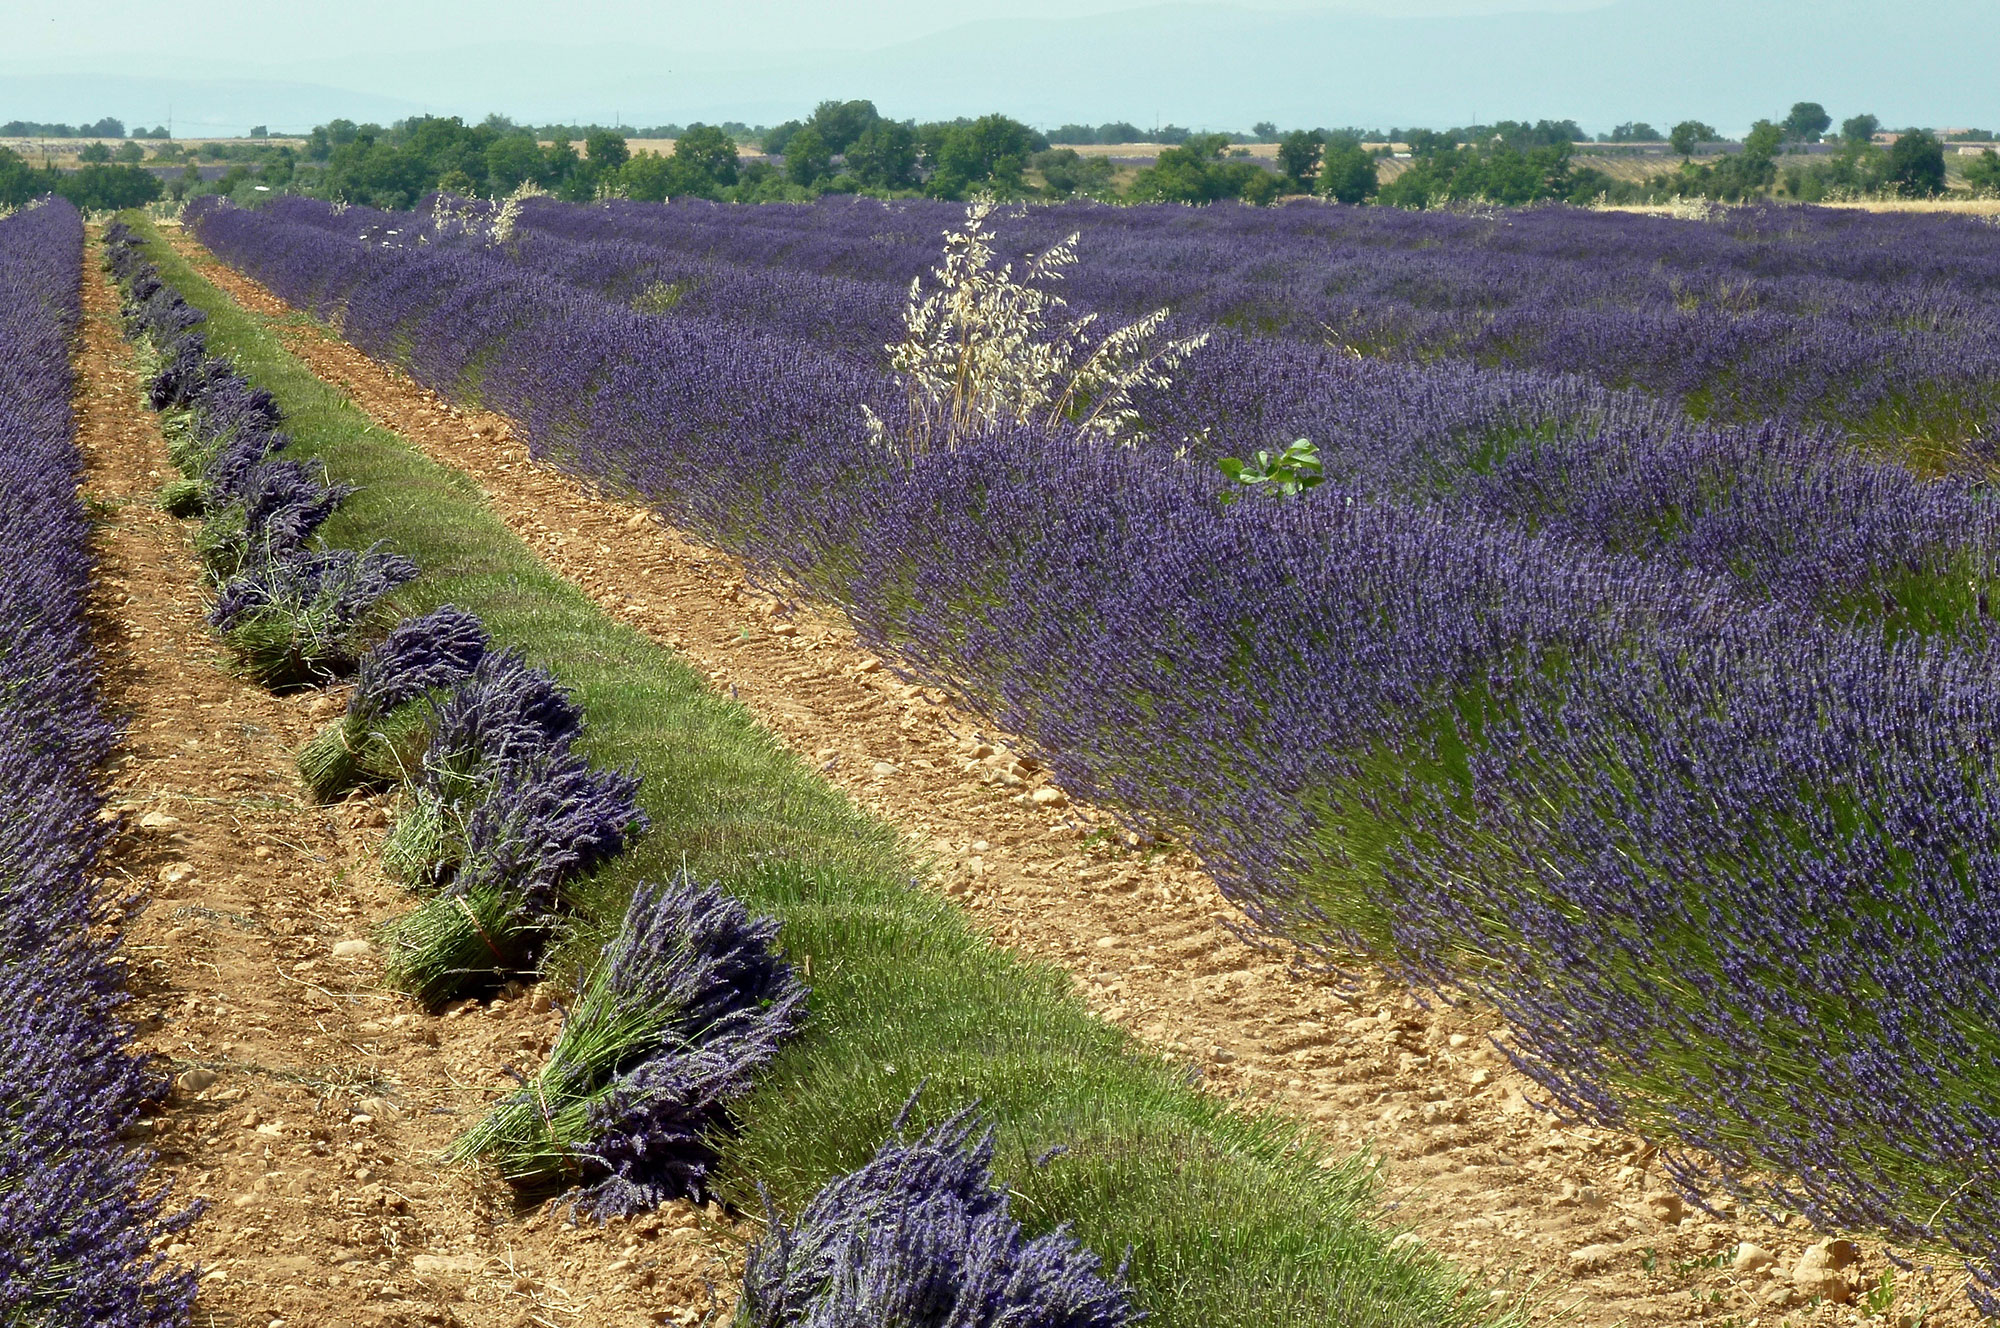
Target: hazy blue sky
219,66
265,32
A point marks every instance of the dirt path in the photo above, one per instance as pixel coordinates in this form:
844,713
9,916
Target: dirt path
309,1103
1476,1171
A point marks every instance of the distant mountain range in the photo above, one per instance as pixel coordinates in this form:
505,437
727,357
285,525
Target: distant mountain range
1723,61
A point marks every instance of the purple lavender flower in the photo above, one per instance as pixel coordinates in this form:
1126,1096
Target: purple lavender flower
80,1218
439,649
184,374
381,738
505,712
545,820
1611,655
921,1236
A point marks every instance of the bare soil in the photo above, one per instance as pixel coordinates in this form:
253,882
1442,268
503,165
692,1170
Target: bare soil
1577,1221
309,1103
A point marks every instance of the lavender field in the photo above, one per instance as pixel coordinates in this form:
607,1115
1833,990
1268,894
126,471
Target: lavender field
1632,671
78,1213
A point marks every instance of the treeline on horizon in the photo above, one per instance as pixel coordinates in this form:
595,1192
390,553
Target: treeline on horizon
849,147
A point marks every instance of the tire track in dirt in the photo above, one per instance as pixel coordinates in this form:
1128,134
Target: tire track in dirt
309,1103
1580,1221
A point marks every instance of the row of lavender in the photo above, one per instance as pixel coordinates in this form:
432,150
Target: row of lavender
1882,324
78,1217
501,816
1793,513
1732,871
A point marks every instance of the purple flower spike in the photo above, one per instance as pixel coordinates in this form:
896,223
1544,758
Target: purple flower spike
440,649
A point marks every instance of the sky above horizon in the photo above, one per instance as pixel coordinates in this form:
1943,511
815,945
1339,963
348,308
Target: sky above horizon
218,67
266,33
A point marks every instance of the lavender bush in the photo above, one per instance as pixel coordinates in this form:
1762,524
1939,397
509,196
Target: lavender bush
921,1236
1659,736
1775,504
79,1220
686,1004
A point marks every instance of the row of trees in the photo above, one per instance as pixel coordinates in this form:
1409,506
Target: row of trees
94,187
108,127
848,146
1911,167
1515,163
844,146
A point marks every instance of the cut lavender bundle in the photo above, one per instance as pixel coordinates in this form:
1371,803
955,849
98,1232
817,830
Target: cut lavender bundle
503,714
689,1002
380,739
186,369
540,823
454,942
921,1237
531,824
274,509
295,619
549,820
501,803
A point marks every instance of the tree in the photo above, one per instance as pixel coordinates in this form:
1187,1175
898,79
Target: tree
101,188
1859,129
1265,131
1763,140
885,156
708,154
606,150
93,152
1298,158
1066,171
20,181
1073,133
129,153
807,157
840,123
988,153
1916,164
565,172
511,162
1635,131
1196,173
1983,173
703,164
775,141
321,142
1806,122
1120,131
1348,173
1690,134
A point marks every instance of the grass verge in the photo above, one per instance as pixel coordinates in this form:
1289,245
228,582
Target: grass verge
1231,1219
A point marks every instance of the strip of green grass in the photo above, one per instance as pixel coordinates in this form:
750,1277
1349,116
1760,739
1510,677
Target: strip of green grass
1233,1220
